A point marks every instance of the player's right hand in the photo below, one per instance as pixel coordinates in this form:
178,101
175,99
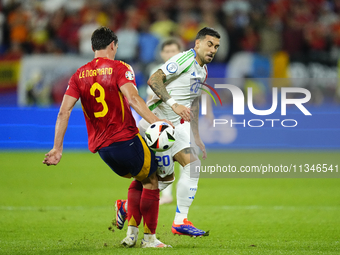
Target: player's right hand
201,145
182,111
169,122
52,157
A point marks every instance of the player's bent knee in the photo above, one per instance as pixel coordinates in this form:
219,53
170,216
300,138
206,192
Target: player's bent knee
186,156
192,169
163,184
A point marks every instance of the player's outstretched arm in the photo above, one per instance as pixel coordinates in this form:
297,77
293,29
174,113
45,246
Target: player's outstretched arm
194,126
53,156
137,103
156,83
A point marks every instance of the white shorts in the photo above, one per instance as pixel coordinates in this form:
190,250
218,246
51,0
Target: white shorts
165,159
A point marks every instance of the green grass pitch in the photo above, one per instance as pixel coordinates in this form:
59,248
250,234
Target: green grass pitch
67,209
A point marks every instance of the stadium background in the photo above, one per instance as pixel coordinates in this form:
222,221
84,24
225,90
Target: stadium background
43,43
294,43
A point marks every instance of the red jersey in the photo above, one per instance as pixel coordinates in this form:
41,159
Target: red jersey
107,111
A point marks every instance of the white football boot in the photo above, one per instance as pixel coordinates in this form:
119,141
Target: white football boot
131,237
150,241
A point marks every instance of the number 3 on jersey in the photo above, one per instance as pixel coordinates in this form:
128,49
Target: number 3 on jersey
100,99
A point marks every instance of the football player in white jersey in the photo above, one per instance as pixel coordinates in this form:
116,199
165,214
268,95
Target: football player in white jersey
177,90
169,48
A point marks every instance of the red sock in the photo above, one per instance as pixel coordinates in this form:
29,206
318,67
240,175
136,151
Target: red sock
134,215
149,206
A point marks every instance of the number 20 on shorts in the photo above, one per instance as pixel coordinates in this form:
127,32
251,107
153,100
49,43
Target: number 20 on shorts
163,161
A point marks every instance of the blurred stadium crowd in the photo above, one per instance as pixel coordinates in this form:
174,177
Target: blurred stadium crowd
264,44
263,26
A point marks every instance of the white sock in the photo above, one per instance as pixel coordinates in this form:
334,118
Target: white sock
149,237
167,191
132,230
186,190
162,185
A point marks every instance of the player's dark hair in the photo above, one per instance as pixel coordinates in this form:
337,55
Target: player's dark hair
170,42
207,31
102,37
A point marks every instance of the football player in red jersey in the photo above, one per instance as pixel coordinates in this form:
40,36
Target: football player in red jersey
107,89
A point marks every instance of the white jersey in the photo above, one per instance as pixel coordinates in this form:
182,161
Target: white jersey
184,79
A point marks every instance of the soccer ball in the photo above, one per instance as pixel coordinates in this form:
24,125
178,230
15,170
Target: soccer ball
160,136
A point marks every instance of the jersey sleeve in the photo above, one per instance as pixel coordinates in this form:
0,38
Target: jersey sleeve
72,88
178,64
125,74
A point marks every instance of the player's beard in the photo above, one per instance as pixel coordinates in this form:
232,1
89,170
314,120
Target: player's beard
208,58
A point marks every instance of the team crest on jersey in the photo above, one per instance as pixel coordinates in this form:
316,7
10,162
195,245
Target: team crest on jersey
172,67
129,75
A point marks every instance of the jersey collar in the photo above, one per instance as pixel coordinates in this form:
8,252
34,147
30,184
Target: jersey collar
194,55
193,52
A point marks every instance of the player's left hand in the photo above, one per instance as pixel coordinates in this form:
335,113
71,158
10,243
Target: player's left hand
201,145
182,111
53,157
